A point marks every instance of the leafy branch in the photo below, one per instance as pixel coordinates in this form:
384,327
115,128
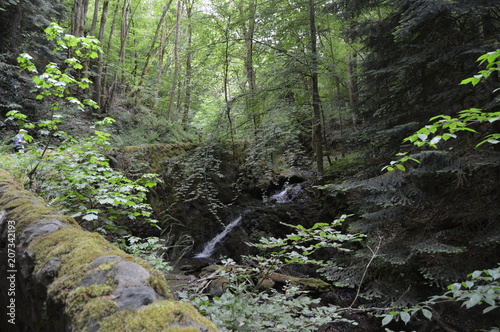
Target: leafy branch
445,127
481,288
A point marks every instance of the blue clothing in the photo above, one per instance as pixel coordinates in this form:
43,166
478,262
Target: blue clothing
19,139
18,142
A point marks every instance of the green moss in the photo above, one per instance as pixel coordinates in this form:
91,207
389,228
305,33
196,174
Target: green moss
86,303
76,257
25,207
25,213
95,310
106,266
77,249
159,284
312,284
171,316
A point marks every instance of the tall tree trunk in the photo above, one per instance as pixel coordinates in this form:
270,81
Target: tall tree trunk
248,17
98,78
93,31
316,100
125,25
119,74
161,58
189,69
353,86
177,67
78,20
151,48
79,17
229,103
110,92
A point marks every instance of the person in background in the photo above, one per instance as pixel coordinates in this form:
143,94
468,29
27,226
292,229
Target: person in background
19,140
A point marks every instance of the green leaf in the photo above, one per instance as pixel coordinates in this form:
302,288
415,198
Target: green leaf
422,137
90,217
447,136
435,140
405,317
427,314
401,167
387,319
475,299
473,80
490,308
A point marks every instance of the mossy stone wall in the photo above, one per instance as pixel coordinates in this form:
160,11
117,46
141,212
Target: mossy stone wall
68,279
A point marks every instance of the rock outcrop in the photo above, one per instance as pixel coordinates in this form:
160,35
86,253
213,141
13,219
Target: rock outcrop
58,277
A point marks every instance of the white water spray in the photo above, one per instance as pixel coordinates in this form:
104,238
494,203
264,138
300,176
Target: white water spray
288,194
209,248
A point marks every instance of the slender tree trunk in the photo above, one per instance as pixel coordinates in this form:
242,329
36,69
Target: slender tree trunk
229,103
151,49
337,103
353,86
189,69
93,31
78,20
177,66
161,58
98,78
117,78
126,8
79,17
248,16
316,100
109,95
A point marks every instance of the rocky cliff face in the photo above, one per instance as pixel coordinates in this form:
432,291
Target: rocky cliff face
56,276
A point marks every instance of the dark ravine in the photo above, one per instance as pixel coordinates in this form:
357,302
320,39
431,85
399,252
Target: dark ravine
68,279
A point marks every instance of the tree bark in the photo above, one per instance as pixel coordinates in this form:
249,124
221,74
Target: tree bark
229,103
248,18
125,25
189,67
110,91
316,100
151,49
177,66
93,31
353,86
98,88
78,17
161,58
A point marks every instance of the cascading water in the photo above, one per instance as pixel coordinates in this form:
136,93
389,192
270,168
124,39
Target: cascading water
209,248
288,194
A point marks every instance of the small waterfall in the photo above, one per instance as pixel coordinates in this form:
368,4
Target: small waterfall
288,194
209,248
